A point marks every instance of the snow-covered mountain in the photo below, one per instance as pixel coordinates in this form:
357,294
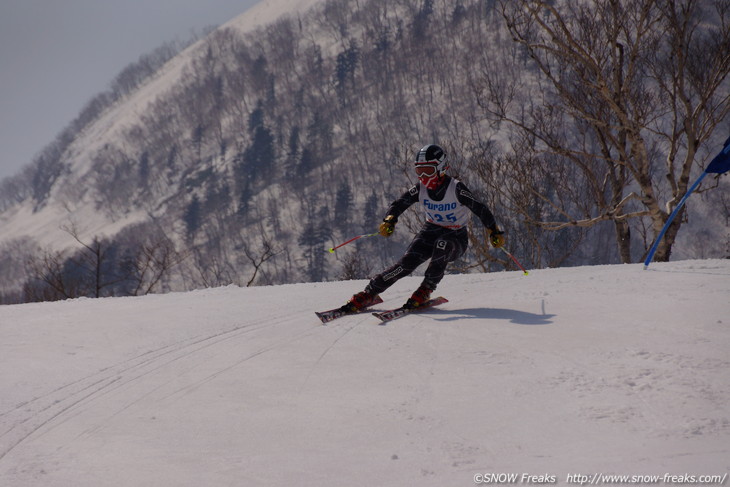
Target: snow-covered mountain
246,154
593,371
71,201
284,132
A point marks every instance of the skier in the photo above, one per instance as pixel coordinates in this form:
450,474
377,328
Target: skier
443,237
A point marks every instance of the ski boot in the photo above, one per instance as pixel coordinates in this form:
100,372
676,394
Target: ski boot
359,301
422,295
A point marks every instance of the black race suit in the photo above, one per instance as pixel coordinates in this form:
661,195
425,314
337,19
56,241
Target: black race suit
438,243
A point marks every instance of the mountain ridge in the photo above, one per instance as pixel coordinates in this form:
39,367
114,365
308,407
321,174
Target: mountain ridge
260,146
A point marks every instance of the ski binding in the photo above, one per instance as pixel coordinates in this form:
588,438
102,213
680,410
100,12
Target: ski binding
333,314
402,311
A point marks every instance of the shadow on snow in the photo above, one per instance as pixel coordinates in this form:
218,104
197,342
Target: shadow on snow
511,315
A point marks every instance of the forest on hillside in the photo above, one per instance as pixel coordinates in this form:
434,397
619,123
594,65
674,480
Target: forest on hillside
581,125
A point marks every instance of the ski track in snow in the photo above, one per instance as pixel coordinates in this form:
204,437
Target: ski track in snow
68,400
606,369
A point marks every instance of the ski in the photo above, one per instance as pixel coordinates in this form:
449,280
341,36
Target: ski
402,311
333,314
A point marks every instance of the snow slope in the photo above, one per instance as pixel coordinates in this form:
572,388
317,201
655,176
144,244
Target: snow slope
593,370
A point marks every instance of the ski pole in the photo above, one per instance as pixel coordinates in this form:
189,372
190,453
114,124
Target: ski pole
332,249
515,260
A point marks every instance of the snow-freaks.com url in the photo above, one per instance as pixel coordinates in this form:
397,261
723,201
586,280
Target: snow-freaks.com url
598,479
669,479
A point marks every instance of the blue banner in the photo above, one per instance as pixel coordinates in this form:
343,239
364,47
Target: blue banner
719,165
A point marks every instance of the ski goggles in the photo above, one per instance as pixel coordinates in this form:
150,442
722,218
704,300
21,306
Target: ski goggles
426,170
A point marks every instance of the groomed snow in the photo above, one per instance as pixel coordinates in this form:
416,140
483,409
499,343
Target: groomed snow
593,370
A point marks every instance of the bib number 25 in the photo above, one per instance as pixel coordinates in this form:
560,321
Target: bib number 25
441,218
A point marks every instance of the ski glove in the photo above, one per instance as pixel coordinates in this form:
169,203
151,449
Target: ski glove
496,237
386,228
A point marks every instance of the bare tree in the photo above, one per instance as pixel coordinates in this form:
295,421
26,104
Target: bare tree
355,266
258,257
135,263
47,280
94,260
625,95
148,257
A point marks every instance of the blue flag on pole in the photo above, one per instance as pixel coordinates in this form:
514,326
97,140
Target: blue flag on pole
719,165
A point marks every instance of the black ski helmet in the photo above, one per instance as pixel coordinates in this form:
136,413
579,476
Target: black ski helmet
432,154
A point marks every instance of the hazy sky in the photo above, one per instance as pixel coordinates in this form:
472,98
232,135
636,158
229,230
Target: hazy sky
55,55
